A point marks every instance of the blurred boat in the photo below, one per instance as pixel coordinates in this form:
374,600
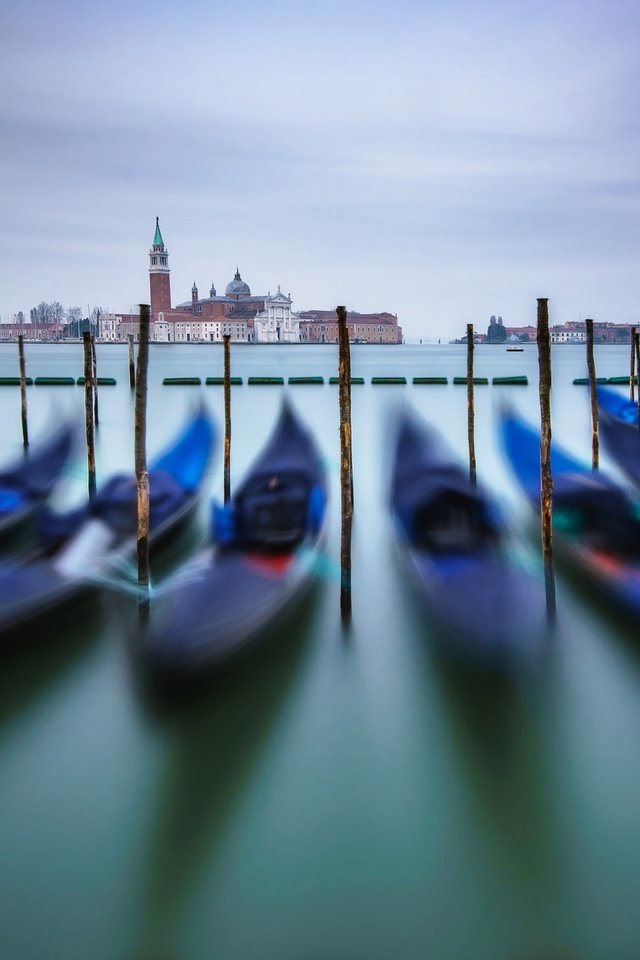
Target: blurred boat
473,582
26,483
618,418
89,544
266,543
596,523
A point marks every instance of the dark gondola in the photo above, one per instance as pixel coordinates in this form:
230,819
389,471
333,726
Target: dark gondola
487,606
26,483
619,428
91,543
264,553
596,523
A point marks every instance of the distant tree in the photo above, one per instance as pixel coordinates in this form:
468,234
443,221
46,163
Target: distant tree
74,314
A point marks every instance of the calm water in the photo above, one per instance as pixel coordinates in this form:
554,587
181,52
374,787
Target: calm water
335,796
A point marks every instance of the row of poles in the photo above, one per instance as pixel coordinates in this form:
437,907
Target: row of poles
138,382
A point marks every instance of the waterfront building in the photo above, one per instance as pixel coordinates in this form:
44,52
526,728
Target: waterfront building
321,326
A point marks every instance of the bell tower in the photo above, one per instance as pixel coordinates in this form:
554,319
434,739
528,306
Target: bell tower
159,281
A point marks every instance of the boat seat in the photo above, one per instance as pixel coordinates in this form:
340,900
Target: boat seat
452,523
271,512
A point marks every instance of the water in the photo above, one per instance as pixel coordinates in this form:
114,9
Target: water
340,796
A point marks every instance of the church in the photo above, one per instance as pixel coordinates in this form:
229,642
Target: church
245,317
239,314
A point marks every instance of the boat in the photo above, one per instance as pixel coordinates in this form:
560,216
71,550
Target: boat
28,481
475,585
596,523
263,556
618,418
515,349
89,545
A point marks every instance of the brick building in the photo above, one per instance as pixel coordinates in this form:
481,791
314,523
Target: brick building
321,326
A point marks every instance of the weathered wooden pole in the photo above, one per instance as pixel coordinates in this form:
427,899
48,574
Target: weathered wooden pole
88,413
226,339
23,391
132,366
142,474
470,406
94,374
638,370
632,366
591,368
346,464
546,482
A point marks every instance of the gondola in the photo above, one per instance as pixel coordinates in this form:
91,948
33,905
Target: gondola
487,607
263,556
28,481
596,523
618,418
91,543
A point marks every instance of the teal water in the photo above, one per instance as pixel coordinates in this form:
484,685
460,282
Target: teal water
340,796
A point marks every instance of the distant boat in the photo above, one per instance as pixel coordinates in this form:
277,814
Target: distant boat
515,349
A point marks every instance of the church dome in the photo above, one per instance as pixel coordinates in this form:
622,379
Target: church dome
237,287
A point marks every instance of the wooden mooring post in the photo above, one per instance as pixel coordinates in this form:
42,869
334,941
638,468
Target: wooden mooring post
89,413
470,406
346,463
637,346
132,365
226,339
632,367
591,369
546,483
142,474
23,391
94,373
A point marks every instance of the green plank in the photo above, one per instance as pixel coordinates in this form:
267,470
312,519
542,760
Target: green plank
510,381
358,381
14,381
482,381
305,380
265,381
621,380
102,381
182,381
397,380
55,381
219,381
430,380
584,381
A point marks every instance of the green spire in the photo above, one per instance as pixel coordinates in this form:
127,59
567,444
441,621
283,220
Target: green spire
157,239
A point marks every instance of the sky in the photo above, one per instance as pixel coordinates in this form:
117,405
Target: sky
443,161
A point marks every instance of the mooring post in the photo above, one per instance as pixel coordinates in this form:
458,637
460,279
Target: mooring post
470,406
226,339
637,345
546,482
94,373
632,367
88,413
132,366
142,474
346,464
23,391
591,367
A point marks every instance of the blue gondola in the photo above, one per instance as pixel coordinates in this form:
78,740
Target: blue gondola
619,428
90,542
266,543
596,523
25,485
489,609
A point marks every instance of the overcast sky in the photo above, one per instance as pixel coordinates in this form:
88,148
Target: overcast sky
444,161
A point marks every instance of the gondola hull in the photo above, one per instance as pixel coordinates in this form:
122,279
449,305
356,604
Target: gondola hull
233,593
